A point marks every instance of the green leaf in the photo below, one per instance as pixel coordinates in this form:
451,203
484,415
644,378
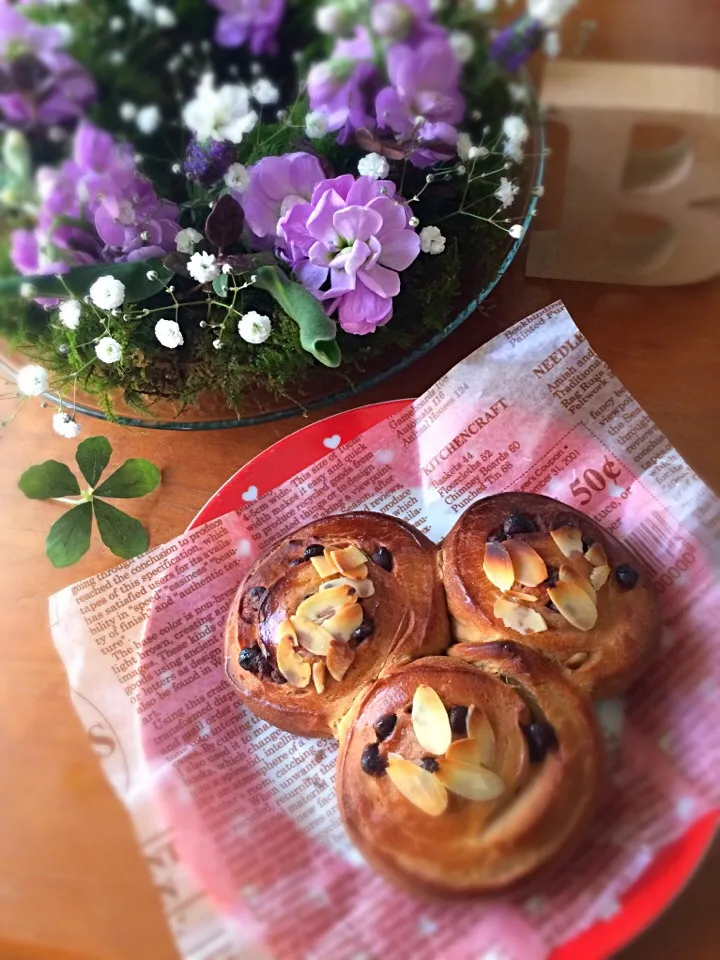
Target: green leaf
69,537
78,280
220,285
317,330
49,479
92,456
125,536
134,478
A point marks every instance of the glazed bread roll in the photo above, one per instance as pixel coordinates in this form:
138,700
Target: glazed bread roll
325,611
462,776
523,567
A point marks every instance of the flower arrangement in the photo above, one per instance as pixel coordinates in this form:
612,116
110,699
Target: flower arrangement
227,195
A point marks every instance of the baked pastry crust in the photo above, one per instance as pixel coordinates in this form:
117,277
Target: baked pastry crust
473,847
603,659
407,614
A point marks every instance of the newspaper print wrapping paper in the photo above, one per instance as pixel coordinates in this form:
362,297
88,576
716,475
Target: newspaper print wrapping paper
237,820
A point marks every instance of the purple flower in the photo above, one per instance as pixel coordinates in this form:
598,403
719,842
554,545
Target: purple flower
512,46
248,21
115,212
348,245
206,164
343,88
40,84
276,184
424,100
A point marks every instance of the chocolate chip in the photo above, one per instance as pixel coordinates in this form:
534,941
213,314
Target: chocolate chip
265,668
430,764
297,561
365,630
250,658
314,550
553,575
587,542
519,523
383,558
551,606
371,762
385,726
251,602
276,676
541,737
458,720
496,536
626,576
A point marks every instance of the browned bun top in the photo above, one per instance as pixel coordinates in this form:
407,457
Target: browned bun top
528,568
306,633
512,768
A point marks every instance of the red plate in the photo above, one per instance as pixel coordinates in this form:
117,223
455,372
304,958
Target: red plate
671,870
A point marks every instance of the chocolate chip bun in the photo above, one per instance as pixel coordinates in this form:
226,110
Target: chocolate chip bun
519,566
463,776
325,611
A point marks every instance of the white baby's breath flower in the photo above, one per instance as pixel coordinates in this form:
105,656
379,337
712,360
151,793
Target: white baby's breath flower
518,92
484,6
70,311
108,350
432,240
516,231
254,327
27,291
203,267
107,293
128,111
32,380
186,240
264,91
217,344
478,153
464,146
227,269
316,124
164,17
506,191
116,24
148,119
515,128
237,178
330,18
549,12
65,425
116,57
463,45
143,8
373,165
220,113
169,333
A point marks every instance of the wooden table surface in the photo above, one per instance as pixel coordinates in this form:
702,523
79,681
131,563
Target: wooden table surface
72,882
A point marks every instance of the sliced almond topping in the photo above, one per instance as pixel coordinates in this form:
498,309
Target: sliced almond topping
576,660
312,636
596,555
430,721
363,588
527,597
498,566
523,620
347,559
345,622
326,603
481,732
318,675
417,785
324,567
286,629
358,573
471,782
291,665
465,751
570,575
574,604
568,539
339,657
529,566
599,575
